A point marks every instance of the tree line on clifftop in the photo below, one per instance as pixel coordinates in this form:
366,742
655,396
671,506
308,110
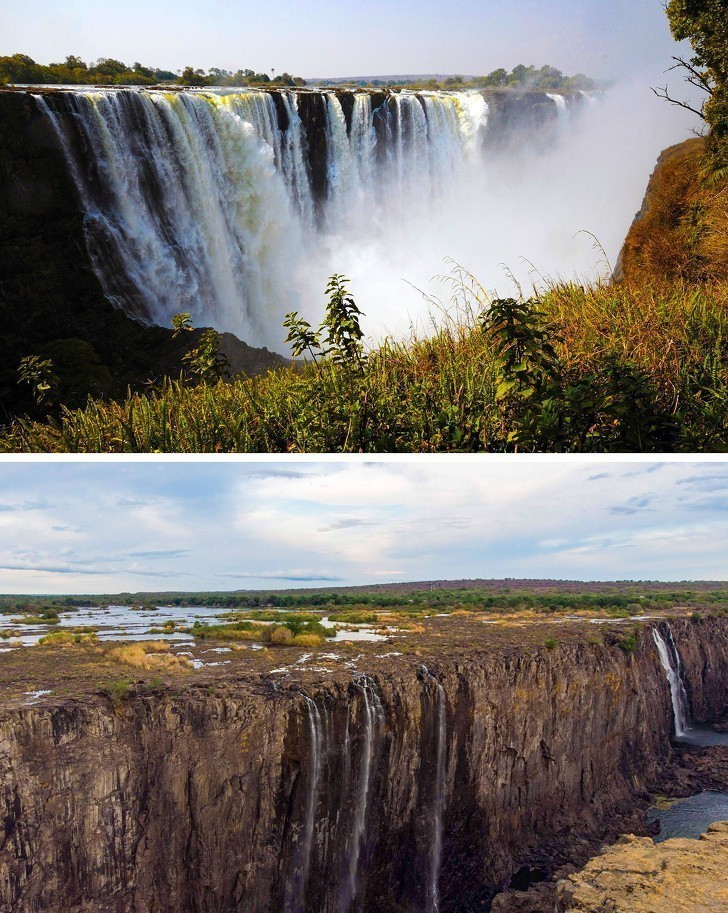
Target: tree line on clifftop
19,69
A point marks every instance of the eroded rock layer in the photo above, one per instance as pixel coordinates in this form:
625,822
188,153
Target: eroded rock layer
406,789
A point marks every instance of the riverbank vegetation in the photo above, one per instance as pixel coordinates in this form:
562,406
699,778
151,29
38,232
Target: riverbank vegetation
19,69
637,366
358,605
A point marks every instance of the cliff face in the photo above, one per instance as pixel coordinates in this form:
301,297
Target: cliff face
336,795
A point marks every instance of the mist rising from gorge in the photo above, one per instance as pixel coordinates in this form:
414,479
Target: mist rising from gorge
509,214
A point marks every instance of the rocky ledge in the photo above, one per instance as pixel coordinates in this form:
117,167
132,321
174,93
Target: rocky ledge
640,876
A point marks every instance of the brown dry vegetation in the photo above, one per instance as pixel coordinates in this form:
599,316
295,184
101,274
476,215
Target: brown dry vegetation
681,232
152,656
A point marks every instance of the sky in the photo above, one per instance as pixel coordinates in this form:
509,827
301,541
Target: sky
614,39
107,527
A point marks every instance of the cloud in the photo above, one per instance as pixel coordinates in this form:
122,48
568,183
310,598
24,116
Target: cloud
599,475
24,505
156,555
296,575
346,523
710,482
633,506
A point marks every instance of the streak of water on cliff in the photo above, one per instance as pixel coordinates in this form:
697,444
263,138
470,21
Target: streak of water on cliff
670,659
438,806
373,721
296,884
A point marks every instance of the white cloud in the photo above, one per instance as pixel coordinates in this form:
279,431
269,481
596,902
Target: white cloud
229,525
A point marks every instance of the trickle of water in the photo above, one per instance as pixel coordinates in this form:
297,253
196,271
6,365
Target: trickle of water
296,884
373,722
670,659
439,800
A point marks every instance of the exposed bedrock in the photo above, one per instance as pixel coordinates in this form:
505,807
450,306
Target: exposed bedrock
418,790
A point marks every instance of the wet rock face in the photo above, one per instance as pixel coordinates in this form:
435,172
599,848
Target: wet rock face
324,797
638,876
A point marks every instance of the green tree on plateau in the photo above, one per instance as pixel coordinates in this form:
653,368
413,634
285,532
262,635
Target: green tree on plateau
704,23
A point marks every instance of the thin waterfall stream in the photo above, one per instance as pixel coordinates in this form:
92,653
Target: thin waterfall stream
438,805
670,659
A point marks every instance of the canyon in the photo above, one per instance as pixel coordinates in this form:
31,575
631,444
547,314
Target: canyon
121,208
427,777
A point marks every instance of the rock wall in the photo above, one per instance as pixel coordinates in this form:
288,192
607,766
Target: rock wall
324,797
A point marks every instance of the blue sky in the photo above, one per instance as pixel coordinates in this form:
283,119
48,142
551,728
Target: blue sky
116,526
617,39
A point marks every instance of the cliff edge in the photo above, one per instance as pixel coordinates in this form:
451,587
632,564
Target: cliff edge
639,876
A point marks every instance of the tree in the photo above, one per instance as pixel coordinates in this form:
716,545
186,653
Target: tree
704,23
192,77
75,63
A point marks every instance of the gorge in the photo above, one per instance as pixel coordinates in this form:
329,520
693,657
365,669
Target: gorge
425,778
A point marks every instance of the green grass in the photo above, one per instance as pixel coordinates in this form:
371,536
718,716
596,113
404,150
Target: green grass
665,348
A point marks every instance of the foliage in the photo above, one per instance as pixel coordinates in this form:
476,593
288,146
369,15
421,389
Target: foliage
118,691
39,375
21,69
640,366
550,643
628,643
543,79
205,362
704,23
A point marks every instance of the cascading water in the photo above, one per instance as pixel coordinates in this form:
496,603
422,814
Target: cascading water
670,659
373,722
206,202
438,808
296,885
562,110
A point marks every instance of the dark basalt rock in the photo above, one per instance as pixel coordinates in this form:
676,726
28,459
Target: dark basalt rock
312,111
194,801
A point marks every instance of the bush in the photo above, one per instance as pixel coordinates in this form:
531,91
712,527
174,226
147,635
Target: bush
628,643
550,643
118,691
281,636
308,640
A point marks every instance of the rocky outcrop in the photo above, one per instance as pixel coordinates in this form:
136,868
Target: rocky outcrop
331,795
521,121
639,876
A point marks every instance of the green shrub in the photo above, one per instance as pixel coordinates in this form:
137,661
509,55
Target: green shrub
118,691
550,643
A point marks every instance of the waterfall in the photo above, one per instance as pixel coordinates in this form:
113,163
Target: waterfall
203,201
670,659
562,111
438,808
373,721
296,884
